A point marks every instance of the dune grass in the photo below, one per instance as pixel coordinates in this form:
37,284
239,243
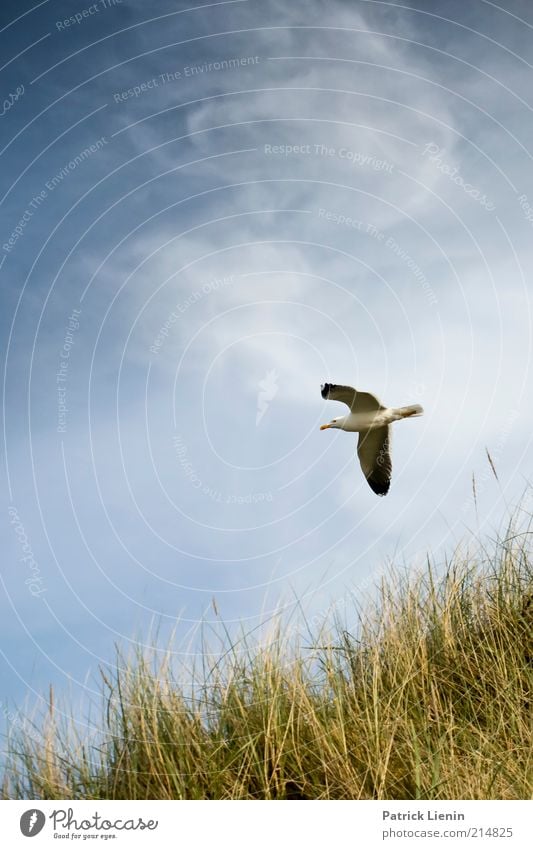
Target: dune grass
427,695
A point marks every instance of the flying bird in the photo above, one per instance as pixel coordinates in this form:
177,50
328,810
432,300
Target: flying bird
372,421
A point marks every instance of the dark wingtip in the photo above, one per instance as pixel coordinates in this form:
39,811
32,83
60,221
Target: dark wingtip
379,487
325,388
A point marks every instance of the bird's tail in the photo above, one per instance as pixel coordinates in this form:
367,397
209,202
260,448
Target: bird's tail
407,412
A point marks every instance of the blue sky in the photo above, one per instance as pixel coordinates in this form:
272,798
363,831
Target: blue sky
208,211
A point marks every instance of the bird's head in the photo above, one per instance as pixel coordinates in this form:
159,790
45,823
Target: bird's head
333,423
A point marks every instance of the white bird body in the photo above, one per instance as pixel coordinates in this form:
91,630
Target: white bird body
371,420
357,422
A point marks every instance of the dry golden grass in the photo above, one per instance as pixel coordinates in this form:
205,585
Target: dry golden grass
431,699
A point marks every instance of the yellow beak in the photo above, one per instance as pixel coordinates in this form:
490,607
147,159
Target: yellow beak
324,427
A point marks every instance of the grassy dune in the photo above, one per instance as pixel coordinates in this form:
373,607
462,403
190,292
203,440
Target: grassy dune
428,696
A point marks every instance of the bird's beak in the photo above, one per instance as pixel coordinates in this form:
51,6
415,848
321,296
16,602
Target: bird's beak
324,427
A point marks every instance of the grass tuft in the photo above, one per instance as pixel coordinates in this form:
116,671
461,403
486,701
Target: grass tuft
428,696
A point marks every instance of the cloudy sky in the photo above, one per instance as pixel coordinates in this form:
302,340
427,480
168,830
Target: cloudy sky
208,211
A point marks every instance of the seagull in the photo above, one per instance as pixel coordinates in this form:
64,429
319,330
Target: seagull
372,421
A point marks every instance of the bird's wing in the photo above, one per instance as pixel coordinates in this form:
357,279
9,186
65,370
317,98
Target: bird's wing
373,450
361,402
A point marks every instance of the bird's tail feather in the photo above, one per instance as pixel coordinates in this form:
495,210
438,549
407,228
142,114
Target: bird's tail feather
412,410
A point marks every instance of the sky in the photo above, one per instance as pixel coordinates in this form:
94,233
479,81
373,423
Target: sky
209,210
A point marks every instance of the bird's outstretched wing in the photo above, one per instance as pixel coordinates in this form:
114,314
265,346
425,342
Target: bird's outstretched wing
360,402
373,450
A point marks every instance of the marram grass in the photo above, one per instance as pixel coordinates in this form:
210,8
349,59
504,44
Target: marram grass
428,695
